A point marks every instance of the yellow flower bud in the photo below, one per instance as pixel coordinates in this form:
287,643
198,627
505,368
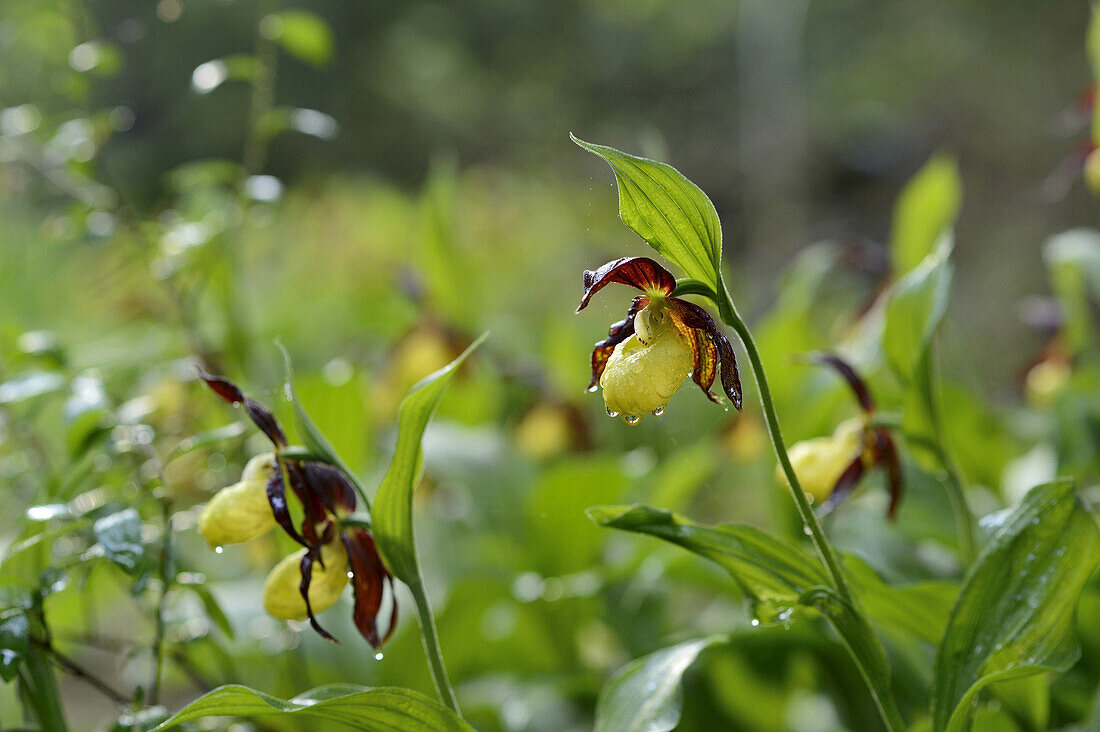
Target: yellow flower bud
821,461
282,599
240,512
641,377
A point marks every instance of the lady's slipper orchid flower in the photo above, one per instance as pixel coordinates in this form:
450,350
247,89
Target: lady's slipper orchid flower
828,468
663,340
241,512
313,578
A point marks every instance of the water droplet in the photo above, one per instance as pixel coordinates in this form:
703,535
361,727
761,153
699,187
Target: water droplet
593,388
755,622
611,412
378,656
806,531
218,550
659,410
632,419
351,575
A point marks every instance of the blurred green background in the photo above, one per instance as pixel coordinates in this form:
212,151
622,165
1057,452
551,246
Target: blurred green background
374,184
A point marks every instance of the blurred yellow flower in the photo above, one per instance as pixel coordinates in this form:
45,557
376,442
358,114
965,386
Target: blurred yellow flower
819,462
282,598
241,512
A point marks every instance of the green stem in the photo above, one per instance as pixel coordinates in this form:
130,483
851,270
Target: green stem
730,316
432,648
886,705
956,494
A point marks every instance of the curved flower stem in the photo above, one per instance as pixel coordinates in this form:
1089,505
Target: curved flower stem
886,705
730,316
432,648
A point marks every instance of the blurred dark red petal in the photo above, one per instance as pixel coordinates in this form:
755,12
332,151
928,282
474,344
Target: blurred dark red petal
313,507
618,333
223,387
845,484
641,273
693,316
369,580
886,453
306,568
276,497
331,486
265,420
855,381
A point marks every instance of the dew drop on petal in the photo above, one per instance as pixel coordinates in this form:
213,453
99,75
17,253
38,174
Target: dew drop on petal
218,550
659,410
755,622
632,419
612,412
351,575
593,388
378,656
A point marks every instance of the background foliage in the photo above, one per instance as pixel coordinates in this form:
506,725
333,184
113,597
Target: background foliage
375,185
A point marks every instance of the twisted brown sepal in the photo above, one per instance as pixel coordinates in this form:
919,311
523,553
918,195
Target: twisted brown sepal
712,352
276,498
845,484
887,454
618,333
312,555
855,381
258,413
641,273
369,579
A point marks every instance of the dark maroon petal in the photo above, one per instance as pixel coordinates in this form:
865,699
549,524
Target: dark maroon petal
313,507
331,486
306,568
618,333
276,497
845,484
842,367
886,453
258,413
641,273
704,365
223,387
693,316
369,580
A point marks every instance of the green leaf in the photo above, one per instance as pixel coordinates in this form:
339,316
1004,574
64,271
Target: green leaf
202,439
213,610
645,695
668,211
1015,615
926,208
14,630
777,574
301,34
918,610
1073,258
120,536
392,512
916,307
773,572
359,707
313,438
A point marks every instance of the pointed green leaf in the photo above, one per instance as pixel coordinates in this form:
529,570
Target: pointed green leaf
926,208
772,571
645,695
1015,615
776,574
668,211
392,512
358,707
918,610
916,307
